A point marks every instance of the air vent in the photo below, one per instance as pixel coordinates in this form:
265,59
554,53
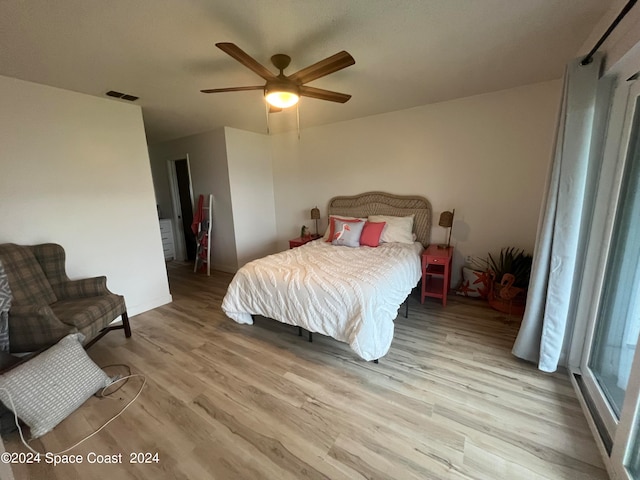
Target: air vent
123,96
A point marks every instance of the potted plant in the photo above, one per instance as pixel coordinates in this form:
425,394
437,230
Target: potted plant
510,272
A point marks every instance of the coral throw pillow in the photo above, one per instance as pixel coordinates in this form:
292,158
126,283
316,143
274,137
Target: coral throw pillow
474,283
371,233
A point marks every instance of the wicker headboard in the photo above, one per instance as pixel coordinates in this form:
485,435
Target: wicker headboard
380,203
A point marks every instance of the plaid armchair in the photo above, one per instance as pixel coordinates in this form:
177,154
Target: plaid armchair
46,305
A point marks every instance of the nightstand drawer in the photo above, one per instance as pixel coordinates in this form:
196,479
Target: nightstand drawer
440,260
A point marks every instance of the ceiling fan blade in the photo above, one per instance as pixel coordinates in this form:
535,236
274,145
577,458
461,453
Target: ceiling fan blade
273,109
245,59
232,89
324,94
324,67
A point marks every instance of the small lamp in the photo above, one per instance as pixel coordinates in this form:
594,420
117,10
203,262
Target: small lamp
315,215
446,221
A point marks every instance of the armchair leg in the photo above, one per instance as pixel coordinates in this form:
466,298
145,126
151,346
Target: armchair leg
125,324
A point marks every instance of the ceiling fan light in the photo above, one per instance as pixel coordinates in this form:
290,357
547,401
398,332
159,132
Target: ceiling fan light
282,99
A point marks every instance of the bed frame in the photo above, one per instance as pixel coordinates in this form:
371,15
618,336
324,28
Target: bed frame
381,203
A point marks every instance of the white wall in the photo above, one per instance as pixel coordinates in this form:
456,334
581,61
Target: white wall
251,184
75,171
486,156
209,175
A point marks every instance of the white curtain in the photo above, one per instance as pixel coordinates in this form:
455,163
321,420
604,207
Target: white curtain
558,243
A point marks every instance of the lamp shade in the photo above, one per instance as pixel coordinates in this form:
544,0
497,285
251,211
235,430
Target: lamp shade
446,219
315,213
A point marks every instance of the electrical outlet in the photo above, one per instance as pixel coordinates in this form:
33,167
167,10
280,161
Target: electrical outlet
468,259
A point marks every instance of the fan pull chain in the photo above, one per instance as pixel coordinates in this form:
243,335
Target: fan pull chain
298,118
266,105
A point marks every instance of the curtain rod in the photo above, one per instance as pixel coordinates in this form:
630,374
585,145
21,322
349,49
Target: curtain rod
587,60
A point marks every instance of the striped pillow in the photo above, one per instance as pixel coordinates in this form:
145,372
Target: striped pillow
49,387
5,305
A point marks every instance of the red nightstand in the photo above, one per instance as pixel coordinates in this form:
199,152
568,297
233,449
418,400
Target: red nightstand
297,242
436,272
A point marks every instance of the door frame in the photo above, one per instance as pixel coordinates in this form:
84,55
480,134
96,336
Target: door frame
178,236
627,425
600,242
630,409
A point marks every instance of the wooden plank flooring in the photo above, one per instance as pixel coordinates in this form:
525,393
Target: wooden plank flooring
229,401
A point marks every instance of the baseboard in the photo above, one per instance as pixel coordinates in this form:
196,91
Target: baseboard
150,305
223,268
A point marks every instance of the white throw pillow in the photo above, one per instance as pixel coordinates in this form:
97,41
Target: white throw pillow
475,283
49,387
347,233
398,229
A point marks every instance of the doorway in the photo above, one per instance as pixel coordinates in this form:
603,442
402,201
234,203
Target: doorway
182,199
609,367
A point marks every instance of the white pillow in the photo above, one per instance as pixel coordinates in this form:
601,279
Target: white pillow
49,387
398,229
325,237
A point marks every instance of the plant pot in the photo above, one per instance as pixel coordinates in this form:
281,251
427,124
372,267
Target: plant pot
507,299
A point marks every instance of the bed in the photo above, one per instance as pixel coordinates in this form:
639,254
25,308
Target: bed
350,294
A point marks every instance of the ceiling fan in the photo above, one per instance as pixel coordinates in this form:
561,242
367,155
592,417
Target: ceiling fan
283,91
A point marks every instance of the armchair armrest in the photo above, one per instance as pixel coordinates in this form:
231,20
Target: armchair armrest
32,327
86,287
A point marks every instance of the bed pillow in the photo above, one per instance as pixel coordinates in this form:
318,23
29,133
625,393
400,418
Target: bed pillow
328,234
475,283
371,233
48,388
347,233
398,229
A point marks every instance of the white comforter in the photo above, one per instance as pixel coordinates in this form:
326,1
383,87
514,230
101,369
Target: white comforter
350,294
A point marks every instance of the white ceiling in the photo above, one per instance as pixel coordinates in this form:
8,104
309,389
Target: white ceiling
407,52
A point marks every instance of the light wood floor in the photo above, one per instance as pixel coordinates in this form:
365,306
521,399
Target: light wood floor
226,401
